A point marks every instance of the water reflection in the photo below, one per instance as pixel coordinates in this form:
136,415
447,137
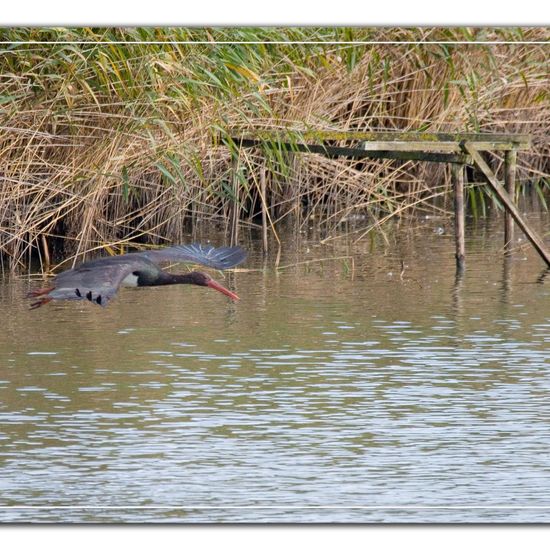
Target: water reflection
382,395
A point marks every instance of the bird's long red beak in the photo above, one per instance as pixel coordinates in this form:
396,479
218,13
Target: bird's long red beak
216,286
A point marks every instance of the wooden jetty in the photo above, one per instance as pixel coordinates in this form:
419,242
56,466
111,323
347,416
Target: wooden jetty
457,149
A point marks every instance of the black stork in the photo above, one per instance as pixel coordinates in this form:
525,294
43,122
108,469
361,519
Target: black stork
99,280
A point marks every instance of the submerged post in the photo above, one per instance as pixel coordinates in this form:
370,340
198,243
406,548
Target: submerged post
510,158
457,177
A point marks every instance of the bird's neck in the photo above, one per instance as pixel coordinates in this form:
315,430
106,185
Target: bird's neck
174,278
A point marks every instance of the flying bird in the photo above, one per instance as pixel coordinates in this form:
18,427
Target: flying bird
99,280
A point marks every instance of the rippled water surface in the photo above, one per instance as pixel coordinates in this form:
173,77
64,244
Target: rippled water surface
335,391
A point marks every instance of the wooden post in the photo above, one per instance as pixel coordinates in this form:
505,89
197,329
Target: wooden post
510,158
264,206
497,187
457,176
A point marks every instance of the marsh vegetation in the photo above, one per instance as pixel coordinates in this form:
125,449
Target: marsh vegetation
111,137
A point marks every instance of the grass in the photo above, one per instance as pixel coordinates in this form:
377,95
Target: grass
107,145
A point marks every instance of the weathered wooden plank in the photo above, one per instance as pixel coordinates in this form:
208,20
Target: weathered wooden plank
510,159
457,173
496,146
420,136
447,146
502,195
353,152
336,135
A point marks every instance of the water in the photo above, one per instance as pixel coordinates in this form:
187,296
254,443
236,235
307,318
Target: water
334,391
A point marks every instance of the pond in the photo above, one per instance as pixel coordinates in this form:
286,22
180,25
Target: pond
375,389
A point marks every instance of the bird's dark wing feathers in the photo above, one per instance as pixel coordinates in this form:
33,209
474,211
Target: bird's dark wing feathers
216,258
95,281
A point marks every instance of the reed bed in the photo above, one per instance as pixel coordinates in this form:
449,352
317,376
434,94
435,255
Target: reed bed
119,137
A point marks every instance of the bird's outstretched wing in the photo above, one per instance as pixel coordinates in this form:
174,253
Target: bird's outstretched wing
216,258
96,281
99,280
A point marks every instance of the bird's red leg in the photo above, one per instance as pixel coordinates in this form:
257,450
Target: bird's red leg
39,292
41,302
42,293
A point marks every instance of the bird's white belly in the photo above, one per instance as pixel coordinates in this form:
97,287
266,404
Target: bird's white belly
130,280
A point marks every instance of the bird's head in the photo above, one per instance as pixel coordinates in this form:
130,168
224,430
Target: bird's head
203,279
